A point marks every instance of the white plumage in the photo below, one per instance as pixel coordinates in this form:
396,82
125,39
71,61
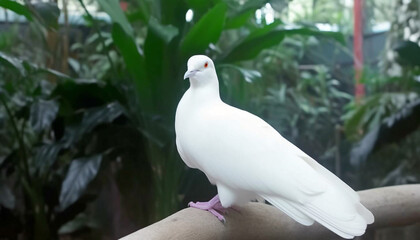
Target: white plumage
247,159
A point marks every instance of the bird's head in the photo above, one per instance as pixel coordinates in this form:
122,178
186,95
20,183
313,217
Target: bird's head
200,68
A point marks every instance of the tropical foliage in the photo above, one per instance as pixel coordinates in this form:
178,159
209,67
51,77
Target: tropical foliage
87,110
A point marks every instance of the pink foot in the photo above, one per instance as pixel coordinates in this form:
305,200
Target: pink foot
213,206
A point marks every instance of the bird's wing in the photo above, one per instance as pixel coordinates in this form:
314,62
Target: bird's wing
341,187
243,152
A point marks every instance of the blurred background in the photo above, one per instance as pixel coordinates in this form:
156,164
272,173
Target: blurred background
89,88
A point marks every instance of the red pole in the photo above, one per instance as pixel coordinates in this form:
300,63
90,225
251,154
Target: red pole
358,49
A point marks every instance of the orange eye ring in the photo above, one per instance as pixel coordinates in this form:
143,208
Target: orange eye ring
206,64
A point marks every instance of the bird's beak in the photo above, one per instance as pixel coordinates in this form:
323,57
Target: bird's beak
190,73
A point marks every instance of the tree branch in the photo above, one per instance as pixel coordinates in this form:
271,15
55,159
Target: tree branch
391,206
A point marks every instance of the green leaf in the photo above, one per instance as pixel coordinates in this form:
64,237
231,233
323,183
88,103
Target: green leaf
200,5
207,30
339,94
252,46
239,20
156,51
78,223
164,32
112,7
81,172
392,129
142,13
408,52
17,8
54,73
135,65
49,13
248,74
355,119
7,199
155,48
137,15
23,67
269,36
105,114
45,157
12,62
42,114
91,119
170,11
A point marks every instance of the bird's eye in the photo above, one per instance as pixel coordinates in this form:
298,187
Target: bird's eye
206,64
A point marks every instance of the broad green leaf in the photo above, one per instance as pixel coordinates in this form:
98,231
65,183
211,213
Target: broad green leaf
105,114
49,13
155,48
92,118
12,62
17,8
112,7
253,45
200,5
238,7
165,32
135,65
7,199
137,15
24,67
170,11
408,52
45,157
81,172
143,11
156,51
207,30
239,20
269,36
42,114
260,32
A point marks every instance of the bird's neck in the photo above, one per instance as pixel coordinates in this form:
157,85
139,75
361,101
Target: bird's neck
206,88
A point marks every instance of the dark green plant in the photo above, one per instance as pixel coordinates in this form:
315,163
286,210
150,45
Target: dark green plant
51,152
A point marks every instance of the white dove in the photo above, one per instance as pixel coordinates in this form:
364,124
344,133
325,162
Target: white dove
248,159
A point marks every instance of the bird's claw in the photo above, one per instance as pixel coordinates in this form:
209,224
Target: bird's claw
213,206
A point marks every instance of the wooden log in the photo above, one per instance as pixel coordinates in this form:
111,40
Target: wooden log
391,206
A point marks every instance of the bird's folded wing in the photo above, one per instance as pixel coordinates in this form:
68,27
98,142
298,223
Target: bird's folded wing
243,152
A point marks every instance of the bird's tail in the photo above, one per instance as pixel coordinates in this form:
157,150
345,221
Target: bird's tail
346,218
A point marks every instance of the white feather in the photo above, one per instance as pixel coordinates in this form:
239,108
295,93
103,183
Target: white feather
246,158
